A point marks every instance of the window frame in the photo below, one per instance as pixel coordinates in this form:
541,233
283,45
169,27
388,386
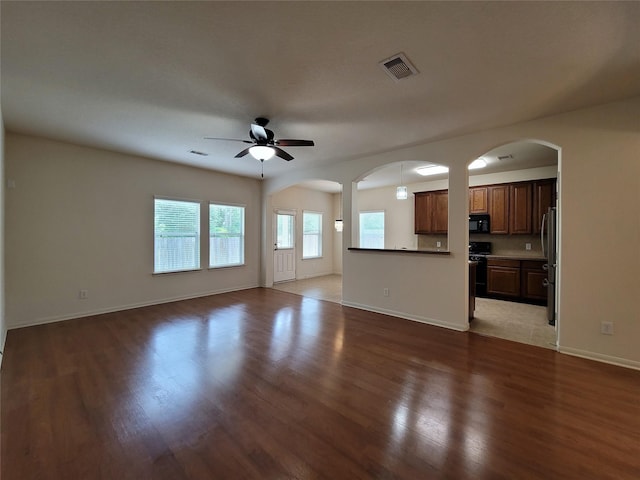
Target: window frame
198,247
319,234
360,229
243,236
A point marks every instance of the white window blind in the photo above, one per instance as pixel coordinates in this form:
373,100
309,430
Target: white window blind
177,235
311,235
226,235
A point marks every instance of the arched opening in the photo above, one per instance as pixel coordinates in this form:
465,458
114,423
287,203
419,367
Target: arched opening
307,247
515,287
403,206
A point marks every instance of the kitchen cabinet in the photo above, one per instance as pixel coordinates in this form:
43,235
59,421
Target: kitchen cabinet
516,279
423,212
432,212
499,208
503,278
533,276
478,197
513,208
544,196
520,207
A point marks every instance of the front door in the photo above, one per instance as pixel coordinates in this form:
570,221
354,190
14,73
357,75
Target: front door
284,254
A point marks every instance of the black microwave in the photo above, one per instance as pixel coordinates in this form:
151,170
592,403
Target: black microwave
479,224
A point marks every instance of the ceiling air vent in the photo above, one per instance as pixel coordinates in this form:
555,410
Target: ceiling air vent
398,67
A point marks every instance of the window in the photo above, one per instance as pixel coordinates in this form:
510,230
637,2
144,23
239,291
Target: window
372,229
284,230
311,235
177,235
226,235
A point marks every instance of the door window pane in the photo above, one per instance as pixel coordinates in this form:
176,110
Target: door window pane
284,230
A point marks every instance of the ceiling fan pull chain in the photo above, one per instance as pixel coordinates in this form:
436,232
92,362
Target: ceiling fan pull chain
262,165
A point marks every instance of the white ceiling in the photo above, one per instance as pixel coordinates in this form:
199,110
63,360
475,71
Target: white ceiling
155,78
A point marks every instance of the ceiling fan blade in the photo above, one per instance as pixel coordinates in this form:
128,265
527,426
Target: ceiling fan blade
282,154
259,132
228,139
283,142
243,153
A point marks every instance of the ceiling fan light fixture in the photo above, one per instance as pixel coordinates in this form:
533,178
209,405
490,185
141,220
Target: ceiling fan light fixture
261,152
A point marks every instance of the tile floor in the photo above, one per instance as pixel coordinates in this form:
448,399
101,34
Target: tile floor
328,287
519,322
496,318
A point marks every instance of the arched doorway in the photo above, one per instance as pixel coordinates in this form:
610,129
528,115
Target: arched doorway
313,244
518,187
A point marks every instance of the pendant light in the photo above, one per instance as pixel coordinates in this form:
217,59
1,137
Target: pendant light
401,191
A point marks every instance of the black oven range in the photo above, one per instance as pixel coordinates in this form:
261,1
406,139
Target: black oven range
478,252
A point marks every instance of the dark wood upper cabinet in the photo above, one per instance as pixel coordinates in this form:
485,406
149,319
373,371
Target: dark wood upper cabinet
544,196
431,212
520,207
440,220
499,208
478,200
514,208
423,212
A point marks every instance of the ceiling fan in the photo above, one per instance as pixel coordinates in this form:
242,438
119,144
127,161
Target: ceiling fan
264,146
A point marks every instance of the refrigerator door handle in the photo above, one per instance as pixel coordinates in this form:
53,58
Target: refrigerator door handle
544,221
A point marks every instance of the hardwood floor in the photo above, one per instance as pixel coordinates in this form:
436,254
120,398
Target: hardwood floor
263,384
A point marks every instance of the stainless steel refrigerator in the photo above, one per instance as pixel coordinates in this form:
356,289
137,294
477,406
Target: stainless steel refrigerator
549,239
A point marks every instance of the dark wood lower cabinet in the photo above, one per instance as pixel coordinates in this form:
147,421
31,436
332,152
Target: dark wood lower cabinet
533,277
503,278
520,280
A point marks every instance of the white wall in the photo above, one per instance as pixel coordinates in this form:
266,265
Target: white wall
82,218
599,179
300,199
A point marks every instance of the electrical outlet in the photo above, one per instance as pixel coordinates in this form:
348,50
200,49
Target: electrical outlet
438,244
527,246
385,292
83,294
606,328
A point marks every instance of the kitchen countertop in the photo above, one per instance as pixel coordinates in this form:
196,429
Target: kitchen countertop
401,250
516,256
